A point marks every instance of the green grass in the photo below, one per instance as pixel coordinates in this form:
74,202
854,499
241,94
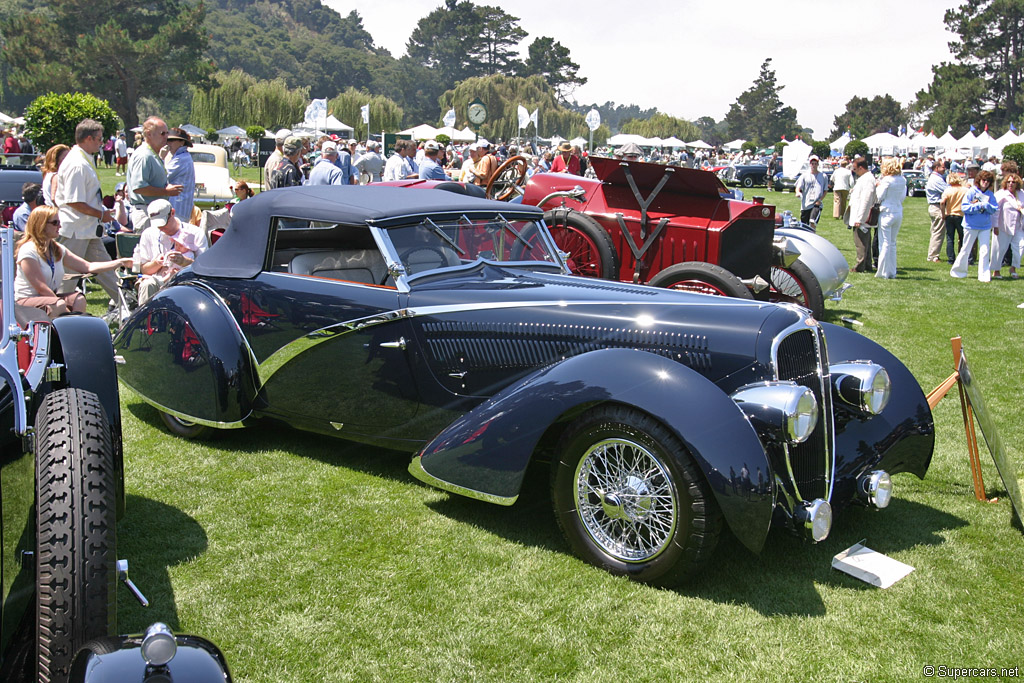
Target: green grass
311,559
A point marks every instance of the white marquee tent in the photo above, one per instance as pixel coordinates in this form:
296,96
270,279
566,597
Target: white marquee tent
698,144
946,142
840,142
421,132
673,142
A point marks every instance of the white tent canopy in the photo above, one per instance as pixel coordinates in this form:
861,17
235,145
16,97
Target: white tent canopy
735,144
698,144
578,142
457,135
673,142
946,142
193,130
333,125
655,142
232,131
1007,138
4,118
626,138
421,132
882,143
840,142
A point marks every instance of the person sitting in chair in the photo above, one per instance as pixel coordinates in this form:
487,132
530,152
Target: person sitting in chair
166,250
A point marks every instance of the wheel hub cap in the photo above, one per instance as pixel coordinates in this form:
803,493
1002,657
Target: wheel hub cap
626,500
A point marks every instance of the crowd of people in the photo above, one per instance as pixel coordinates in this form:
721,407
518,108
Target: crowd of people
69,227
976,209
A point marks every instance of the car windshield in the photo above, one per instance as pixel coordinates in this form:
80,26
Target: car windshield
203,158
430,245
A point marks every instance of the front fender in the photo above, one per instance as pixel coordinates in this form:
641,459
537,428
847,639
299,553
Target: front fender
485,453
185,354
89,361
900,439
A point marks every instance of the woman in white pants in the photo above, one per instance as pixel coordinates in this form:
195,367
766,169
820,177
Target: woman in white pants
891,190
1009,228
980,210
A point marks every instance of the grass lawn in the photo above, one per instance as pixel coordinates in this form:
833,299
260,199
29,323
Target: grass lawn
311,559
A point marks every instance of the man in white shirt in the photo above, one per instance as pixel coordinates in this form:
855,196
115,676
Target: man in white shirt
163,252
79,199
862,198
810,188
370,163
397,166
842,183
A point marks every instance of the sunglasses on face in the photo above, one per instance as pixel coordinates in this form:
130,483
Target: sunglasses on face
55,221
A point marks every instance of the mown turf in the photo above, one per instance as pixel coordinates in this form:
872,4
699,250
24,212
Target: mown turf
310,559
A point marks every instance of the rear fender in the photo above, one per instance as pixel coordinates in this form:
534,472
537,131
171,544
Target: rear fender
185,354
900,439
485,453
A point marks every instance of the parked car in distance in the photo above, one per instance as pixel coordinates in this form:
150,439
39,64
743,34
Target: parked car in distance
916,181
12,177
61,492
449,326
745,175
213,180
782,182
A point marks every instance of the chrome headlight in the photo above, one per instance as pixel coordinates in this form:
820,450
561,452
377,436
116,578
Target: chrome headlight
863,385
876,488
787,410
816,519
158,645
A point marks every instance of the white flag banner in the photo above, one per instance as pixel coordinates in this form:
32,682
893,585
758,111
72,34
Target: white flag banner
533,117
524,117
365,109
449,118
316,112
593,119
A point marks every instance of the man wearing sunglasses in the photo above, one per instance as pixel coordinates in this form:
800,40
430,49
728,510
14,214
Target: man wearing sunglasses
147,177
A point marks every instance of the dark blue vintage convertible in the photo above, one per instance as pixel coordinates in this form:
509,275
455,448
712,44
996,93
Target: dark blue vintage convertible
448,326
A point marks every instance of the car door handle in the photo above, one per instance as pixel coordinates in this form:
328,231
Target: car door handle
400,344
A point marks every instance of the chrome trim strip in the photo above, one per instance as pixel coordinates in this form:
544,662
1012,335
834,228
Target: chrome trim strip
416,470
826,415
183,416
293,349
277,360
12,333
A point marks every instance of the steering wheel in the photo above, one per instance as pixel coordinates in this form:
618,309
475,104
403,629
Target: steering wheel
426,263
507,178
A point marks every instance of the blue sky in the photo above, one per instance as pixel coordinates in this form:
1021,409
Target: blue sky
692,59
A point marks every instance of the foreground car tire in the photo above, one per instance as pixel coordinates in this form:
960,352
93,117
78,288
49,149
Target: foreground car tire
75,529
629,498
186,429
590,247
702,278
797,284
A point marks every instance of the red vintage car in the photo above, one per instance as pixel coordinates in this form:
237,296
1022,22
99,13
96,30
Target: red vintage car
660,225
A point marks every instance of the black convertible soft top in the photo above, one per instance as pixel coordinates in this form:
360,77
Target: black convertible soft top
242,250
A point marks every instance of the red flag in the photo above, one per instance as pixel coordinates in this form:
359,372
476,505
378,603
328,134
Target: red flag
986,127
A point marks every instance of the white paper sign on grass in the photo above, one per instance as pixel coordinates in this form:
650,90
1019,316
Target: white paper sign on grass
870,566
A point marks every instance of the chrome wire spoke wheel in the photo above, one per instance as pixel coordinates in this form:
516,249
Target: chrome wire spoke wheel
625,499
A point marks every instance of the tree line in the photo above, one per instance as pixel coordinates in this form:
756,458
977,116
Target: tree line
250,62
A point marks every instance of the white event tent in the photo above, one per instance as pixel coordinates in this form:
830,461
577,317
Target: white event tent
421,132
457,135
193,130
1007,138
698,144
232,131
882,143
734,145
673,142
578,142
840,142
626,138
947,142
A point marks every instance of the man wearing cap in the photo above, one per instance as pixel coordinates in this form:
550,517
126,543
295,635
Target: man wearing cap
430,169
370,163
147,177
343,162
810,188
566,161
485,165
325,172
275,157
32,197
80,202
180,170
164,251
631,152
286,173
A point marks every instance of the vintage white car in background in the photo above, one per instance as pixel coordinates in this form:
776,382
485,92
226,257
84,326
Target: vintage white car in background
213,181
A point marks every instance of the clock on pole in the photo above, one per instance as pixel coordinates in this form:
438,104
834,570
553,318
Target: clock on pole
477,112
